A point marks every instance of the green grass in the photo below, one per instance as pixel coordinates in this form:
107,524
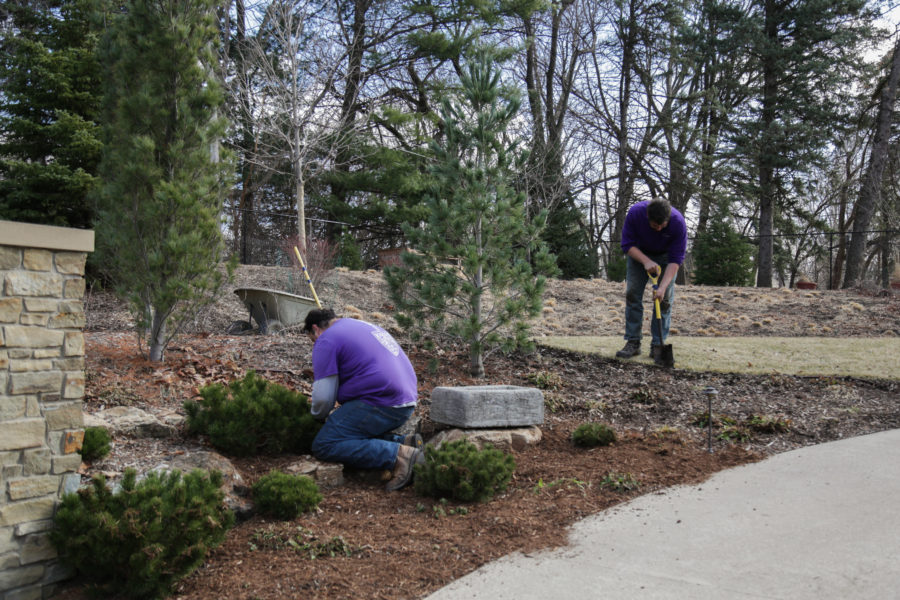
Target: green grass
870,358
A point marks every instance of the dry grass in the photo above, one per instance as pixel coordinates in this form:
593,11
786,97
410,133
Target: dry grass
836,357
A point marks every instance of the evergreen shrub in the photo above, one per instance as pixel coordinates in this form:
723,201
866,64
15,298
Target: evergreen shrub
140,540
253,416
96,443
285,496
590,435
722,256
463,472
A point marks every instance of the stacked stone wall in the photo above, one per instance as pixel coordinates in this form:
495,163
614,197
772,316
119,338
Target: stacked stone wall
41,391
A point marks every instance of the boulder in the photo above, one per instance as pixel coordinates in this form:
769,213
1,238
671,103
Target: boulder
515,438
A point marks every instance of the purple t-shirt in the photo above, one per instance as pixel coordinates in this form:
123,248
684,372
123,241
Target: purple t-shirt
370,365
637,232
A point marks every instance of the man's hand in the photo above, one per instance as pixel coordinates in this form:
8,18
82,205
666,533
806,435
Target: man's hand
652,268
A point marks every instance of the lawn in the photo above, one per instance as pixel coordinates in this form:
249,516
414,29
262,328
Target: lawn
873,357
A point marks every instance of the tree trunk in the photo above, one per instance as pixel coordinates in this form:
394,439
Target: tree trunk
870,192
767,181
157,336
624,191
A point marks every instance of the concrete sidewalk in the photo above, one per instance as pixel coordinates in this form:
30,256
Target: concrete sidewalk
819,522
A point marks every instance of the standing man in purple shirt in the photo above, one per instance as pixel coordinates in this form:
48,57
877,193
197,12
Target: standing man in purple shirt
654,240
361,367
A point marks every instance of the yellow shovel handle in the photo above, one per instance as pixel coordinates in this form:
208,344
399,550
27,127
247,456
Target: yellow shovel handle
655,280
309,281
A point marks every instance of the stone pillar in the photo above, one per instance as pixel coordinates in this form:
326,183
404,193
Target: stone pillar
41,390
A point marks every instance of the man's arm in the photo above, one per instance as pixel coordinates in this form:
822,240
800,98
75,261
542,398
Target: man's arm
324,395
667,278
649,265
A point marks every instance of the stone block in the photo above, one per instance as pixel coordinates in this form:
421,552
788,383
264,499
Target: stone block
68,320
19,434
71,483
19,353
35,320
24,511
35,383
30,365
41,305
12,407
32,406
32,592
9,561
10,257
37,260
74,388
37,547
33,487
33,527
4,361
70,263
72,441
17,578
47,353
18,336
487,406
8,541
74,343
66,464
74,288
63,416
10,309
37,462
34,283
11,472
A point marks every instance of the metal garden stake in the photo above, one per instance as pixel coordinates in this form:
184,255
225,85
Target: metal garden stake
710,392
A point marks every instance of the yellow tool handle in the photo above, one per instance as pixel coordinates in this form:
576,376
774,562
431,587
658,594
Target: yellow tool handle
655,279
309,281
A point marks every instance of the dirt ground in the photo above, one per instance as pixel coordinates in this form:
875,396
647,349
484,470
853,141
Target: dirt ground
366,543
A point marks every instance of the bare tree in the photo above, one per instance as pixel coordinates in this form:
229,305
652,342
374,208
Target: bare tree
870,192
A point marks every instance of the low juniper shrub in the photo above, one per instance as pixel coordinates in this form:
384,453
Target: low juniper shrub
460,471
253,416
96,443
140,540
589,435
285,496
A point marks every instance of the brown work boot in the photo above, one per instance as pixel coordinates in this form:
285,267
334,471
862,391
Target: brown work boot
414,439
632,348
407,458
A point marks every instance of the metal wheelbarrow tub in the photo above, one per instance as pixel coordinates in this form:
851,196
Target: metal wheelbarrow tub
273,310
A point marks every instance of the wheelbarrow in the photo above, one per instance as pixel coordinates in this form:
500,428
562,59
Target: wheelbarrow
272,310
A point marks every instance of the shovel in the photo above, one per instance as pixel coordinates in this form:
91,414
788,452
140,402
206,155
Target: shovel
665,358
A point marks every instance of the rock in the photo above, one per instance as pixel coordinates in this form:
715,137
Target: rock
515,438
325,474
130,421
236,491
487,406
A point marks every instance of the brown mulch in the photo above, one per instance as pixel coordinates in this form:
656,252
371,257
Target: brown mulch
365,543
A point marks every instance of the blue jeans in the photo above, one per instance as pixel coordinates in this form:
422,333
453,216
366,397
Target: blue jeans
636,279
357,434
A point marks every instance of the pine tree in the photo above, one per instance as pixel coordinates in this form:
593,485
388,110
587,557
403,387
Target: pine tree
158,233
49,139
721,255
477,218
